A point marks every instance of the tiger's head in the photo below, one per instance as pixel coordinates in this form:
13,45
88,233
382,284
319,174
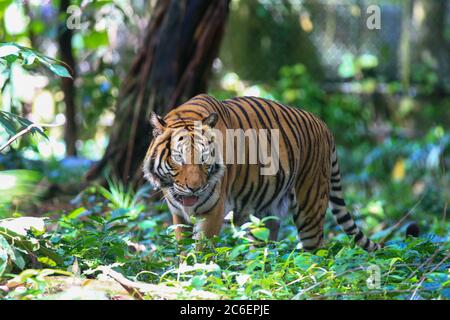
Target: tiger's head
183,161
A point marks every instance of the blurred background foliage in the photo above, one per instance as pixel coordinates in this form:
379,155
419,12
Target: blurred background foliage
384,93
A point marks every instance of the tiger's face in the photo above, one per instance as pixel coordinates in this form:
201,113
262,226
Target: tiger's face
182,161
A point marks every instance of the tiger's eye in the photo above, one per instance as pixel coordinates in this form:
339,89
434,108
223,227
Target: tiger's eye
177,157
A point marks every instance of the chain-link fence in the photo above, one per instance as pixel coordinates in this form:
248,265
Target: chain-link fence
321,33
340,28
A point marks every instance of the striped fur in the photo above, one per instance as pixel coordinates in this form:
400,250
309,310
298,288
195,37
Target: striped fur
307,181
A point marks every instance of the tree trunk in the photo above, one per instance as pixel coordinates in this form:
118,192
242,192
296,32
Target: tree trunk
172,65
404,58
68,87
430,45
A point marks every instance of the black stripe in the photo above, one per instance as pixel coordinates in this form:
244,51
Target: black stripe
199,105
236,116
216,106
244,112
337,201
366,245
351,229
309,237
312,200
310,225
311,132
344,218
335,211
303,204
207,198
248,194
262,196
173,205
359,236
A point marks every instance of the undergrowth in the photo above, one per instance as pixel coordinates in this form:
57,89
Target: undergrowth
115,240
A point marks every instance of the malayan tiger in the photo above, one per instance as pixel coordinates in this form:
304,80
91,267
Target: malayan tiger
178,162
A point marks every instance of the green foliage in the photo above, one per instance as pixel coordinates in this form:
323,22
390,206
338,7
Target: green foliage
13,124
17,186
11,52
354,67
124,200
241,264
387,175
23,243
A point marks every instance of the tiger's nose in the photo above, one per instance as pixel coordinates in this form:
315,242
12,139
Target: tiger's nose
193,190
194,179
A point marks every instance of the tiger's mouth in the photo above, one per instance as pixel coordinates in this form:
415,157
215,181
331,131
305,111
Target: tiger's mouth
188,201
192,200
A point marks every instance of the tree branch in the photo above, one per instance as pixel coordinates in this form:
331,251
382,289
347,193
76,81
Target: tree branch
25,131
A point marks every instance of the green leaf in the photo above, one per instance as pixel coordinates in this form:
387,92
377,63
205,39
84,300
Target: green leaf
19,261
12,51
76,213
6,253
23,224
7,123
29,57
347,67
261,233
255,220
47,261
237,250
303,261
198,282
96,39
367,61
60,70
37,26
9,50
322,253
13,124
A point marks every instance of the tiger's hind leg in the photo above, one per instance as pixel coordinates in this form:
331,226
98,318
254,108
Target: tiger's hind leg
309,219
310,231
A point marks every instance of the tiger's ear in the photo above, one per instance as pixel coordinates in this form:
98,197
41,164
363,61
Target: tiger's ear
211,120
157,123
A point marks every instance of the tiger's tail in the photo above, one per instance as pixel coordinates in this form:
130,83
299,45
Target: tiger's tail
340,212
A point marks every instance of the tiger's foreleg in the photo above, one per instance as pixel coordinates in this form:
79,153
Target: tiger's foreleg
179,221
209,224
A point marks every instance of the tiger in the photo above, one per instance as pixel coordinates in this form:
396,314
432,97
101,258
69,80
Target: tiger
202,193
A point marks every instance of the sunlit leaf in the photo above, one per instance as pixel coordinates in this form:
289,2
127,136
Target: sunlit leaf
261,233
8,50
398,172
60,70
23,224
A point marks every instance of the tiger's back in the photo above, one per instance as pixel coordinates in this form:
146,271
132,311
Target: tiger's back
307,176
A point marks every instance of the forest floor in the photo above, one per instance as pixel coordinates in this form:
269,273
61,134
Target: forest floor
113,245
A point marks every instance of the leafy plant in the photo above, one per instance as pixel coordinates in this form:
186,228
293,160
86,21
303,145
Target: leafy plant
141,251
10,53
